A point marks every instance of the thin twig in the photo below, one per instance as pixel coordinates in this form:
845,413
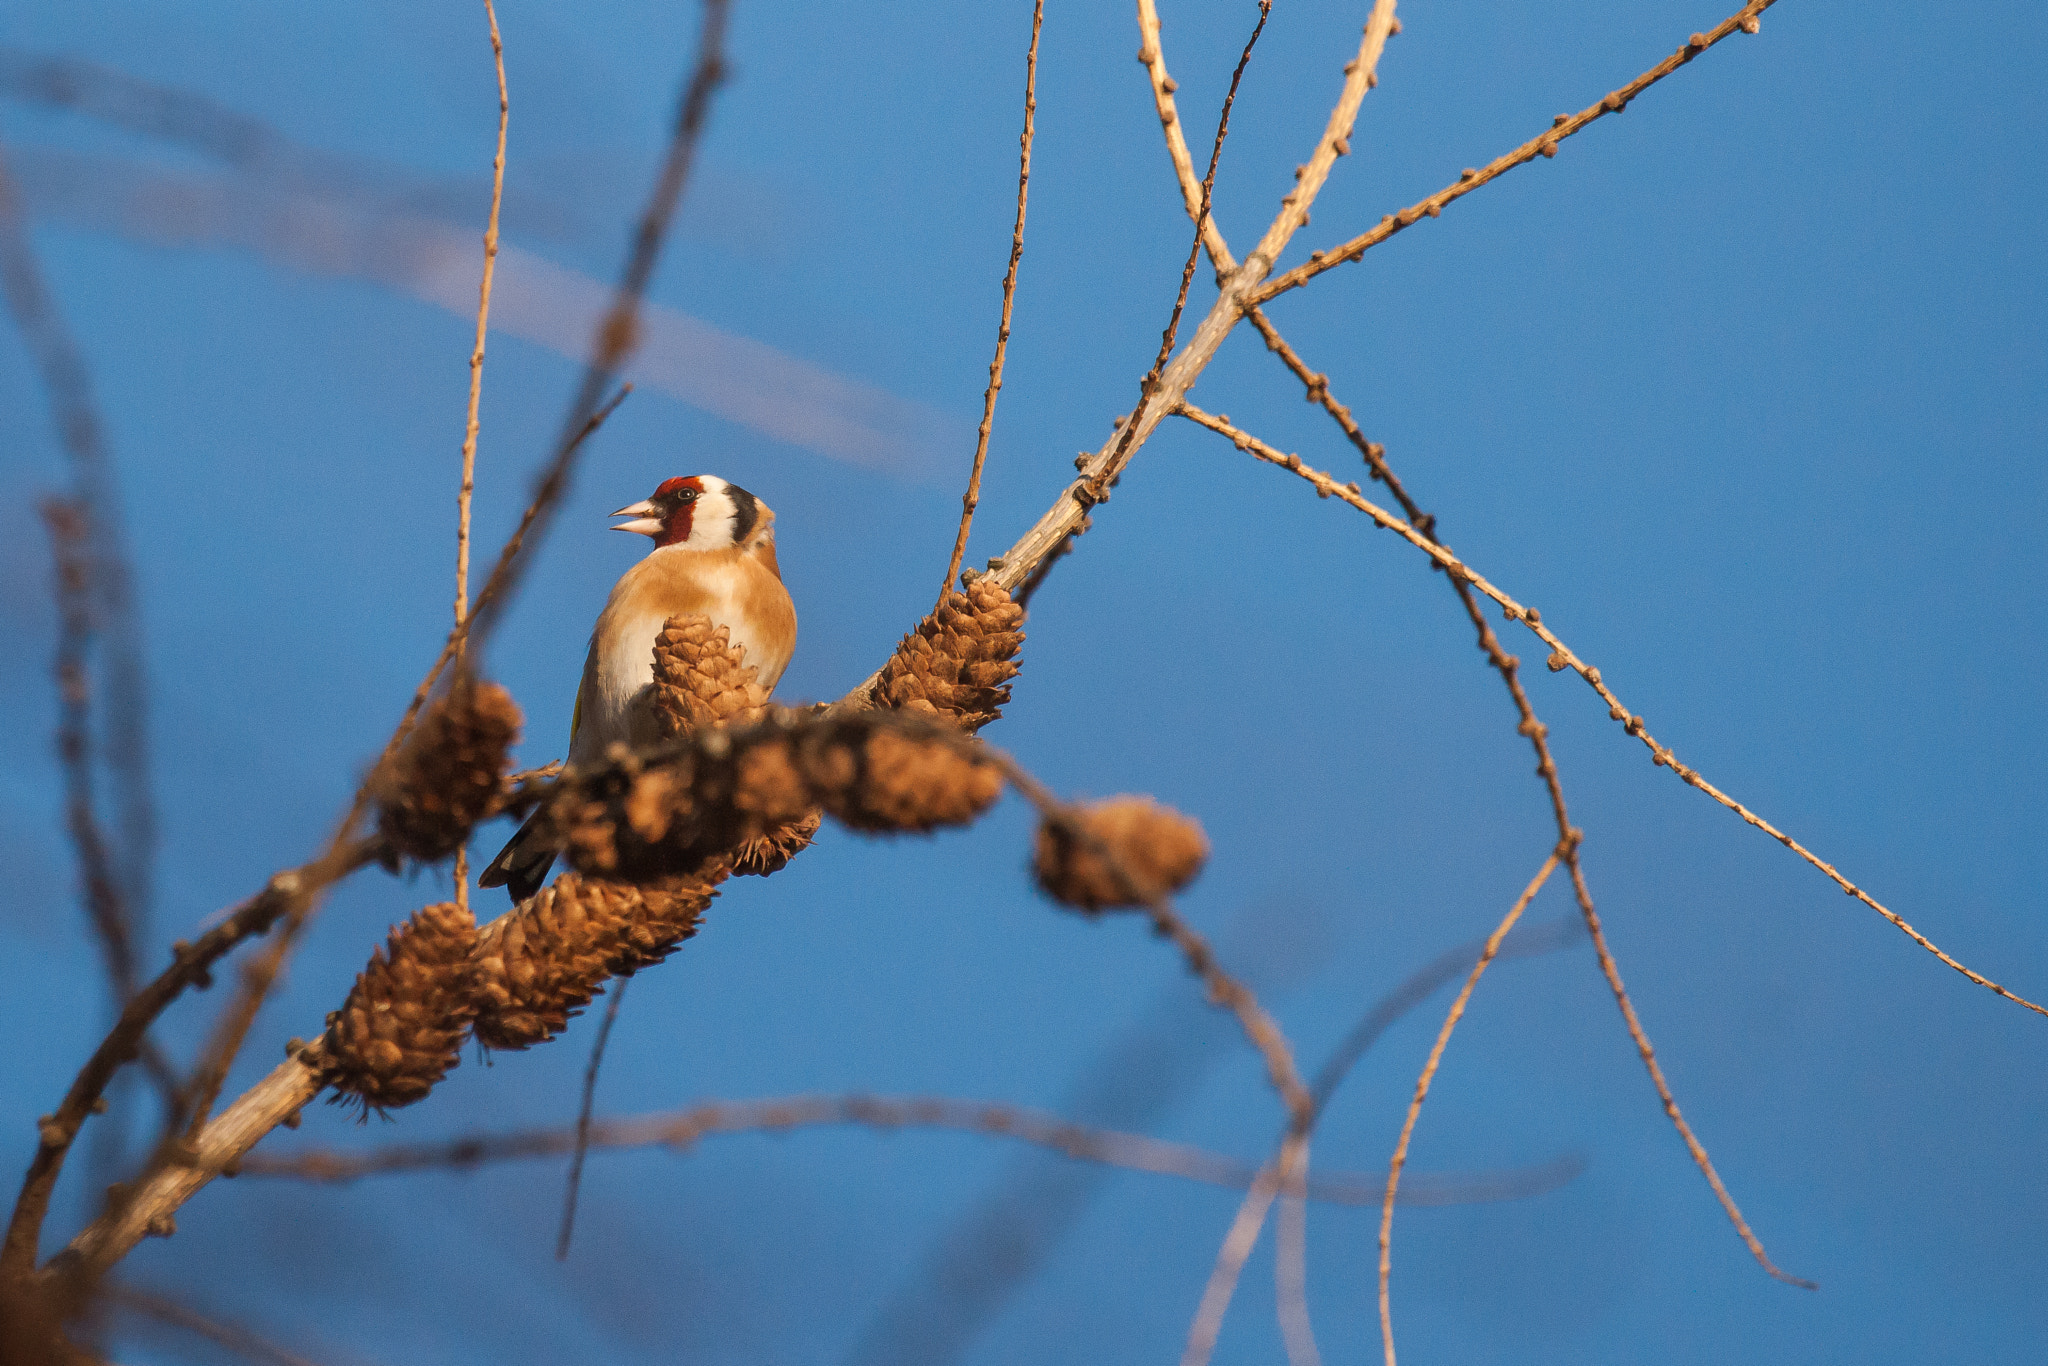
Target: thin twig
1223,989
191,966
287,896
1436,1055
483,320
618,335
1231,1256
1152,54
1562,657
107,593
1527,942
96,586
232,1336
582,1149
69,525
682,1130
1544,144
1068,515
1149,385
476,386
1327,487
1265,1035
1290,1262
1537,734
972,498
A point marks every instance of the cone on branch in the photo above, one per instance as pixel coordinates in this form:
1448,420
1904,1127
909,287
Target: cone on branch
1158,849
701,679
884,781
400,1030
450,772
751,796
960,659
551,956
771,852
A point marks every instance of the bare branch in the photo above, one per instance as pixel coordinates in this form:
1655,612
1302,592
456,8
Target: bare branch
1150,383
681,1130
107,590
1436,1054
972,498
69,524
1562,657
233,1336
191,966
292,895
582,1148
1231,1256
618,335
1420,985
1153,55
1223,989
613,345
1544,144
1290,1264
483,319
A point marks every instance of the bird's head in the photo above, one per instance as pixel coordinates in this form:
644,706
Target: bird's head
701,512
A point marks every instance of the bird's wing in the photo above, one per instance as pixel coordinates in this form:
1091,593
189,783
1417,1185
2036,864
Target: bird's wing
583,691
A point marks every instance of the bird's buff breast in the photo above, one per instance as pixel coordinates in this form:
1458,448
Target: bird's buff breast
616,708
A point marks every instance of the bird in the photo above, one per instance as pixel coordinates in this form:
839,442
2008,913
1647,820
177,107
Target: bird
714,555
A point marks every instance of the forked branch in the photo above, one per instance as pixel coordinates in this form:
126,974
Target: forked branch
1563,657
1543,144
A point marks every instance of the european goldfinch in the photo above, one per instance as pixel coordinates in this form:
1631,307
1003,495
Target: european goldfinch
714,554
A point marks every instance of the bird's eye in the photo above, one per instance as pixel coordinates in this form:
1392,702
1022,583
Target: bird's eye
689,495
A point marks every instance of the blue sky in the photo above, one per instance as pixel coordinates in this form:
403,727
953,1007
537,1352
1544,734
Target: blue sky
1744,390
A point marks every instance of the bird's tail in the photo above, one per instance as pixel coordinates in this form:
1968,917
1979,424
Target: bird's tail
521,867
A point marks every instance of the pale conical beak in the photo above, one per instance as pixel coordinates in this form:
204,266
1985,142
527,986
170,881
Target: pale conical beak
643,521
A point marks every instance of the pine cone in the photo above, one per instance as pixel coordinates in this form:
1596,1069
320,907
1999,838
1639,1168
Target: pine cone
896,783
744,797
551,956
701,679
400,1030
450,772
1160,850
771,853
959,661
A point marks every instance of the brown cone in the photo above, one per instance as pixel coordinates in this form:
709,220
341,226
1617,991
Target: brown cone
1160,850
701,679
552,955
771,852
449,773
959,661
400,1030
896,783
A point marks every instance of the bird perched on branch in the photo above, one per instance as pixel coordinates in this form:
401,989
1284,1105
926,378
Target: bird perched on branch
714,555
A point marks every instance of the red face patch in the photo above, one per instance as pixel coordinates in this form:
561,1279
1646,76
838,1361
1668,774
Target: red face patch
679,498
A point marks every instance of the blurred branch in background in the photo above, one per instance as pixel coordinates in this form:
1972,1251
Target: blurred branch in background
95,595
682,1129
163,1309
978,1262
324,213
97,612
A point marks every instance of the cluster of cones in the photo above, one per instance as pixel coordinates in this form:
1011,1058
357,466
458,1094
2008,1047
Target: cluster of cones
733,787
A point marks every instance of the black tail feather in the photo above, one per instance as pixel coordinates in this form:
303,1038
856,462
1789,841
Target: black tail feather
521,867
